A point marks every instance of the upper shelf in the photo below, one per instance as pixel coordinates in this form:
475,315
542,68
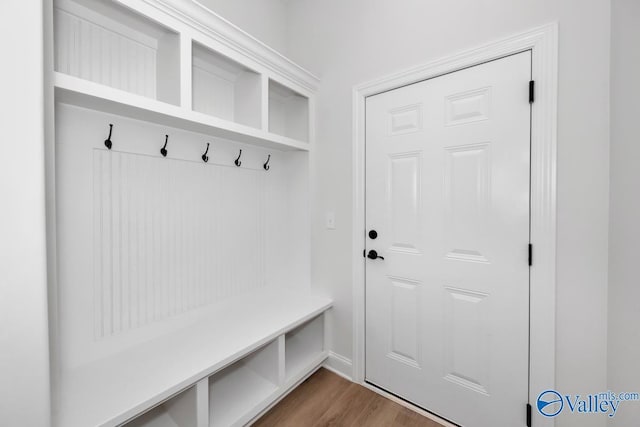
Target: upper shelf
87,94
107,43
188,69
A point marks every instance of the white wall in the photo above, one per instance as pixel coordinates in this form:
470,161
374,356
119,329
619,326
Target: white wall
624,292
263,19
349,42
24,384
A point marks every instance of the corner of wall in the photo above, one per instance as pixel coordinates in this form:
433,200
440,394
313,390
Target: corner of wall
339,365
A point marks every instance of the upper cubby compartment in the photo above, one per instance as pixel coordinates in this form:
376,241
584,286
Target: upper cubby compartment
288,112
104,42
224,88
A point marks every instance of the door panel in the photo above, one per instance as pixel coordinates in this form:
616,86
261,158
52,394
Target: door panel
448,192
404,201
404,332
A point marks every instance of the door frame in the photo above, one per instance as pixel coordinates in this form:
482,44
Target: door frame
543,42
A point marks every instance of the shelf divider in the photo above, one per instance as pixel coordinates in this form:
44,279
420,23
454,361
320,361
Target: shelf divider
281,360
202,402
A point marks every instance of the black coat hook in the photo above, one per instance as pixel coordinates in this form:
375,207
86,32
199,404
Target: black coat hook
163,150
205,158
238,162
107,142
266,165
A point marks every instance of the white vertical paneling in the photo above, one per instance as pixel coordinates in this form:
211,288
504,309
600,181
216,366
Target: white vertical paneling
123,63
95,53
114,60
84,51
106,244
150,68
170,236
98,275
213,94
125,241
132,247
74,46
101,54
186,73
147,246
61,40
116,242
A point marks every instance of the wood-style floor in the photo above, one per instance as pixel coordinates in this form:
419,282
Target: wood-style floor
326,399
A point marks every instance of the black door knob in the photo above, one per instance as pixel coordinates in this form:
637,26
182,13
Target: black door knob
373,234
374,255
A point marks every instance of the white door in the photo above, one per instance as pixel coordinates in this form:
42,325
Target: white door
447,192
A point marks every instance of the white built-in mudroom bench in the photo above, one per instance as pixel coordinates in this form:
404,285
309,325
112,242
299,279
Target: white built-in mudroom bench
178,172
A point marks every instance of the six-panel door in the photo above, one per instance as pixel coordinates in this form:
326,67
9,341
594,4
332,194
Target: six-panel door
447,309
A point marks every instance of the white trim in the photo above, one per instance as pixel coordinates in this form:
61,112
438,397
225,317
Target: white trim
339,365
543,42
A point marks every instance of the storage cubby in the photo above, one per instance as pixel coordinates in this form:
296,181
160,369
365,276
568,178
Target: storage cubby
109,44
288,112
303,346
179,411
239,391
225,89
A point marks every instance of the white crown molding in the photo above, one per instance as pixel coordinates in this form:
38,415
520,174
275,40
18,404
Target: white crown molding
198,16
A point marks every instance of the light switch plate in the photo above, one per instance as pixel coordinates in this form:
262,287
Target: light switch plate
331,221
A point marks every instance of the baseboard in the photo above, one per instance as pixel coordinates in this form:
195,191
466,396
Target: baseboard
339,365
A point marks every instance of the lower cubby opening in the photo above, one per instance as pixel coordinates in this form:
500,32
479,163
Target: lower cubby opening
303,346
179,411
239,391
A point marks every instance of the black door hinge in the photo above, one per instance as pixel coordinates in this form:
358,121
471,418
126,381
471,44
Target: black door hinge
531,91
528,415
364,253
530,254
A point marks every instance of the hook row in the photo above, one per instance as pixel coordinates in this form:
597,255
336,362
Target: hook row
205,158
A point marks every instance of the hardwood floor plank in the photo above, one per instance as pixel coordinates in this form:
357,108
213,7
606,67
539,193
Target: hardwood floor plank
346,411
294,401
314,406
328,400
381,412
408,418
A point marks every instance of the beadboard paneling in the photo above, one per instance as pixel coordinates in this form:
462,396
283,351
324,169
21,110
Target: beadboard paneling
105,55
170,237
230,198
212,94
